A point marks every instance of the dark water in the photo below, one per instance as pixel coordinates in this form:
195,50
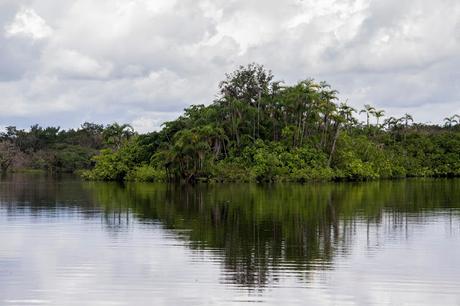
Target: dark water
67,242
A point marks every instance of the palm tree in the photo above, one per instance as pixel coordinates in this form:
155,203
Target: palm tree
216,138
390,123
346,112
379,114
115,134
451,121
338,119
407,118
369,110
393,125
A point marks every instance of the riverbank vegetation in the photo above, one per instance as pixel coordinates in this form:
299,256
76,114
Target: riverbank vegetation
257,129
54,150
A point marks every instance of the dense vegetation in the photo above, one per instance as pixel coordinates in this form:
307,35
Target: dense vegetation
257,129
54,150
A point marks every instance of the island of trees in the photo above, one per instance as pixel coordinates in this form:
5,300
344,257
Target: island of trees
257,129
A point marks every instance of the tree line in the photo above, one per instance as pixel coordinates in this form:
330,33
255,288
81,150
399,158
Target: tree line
54,150
258,129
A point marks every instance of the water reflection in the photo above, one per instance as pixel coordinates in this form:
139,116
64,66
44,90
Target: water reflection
260,229
259,234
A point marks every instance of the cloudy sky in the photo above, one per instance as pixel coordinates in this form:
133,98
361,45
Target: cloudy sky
63,62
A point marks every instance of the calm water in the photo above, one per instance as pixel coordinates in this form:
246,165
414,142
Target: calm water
67,242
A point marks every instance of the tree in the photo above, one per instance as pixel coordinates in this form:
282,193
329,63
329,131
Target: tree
189,154
407,119
338,118
9,155
346,112
248,84
451,121
369,111
115,134
379,114
391,123
258,128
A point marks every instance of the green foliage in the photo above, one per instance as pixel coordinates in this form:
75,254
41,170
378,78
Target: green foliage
115,135
54,150
266,162
146,173
255,130
274,161
258,130
109,166
231,170
359,158
70,158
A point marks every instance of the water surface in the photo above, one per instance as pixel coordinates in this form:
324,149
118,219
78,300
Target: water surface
68,242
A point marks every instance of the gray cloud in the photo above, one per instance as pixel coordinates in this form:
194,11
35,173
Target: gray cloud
143,61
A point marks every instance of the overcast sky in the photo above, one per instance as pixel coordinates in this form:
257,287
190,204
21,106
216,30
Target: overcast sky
143,61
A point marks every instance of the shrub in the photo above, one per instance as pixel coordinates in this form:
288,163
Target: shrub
146,173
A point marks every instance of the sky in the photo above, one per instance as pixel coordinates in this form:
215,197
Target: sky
64,62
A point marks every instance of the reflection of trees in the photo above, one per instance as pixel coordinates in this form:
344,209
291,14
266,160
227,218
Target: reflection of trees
259,230
39,194
262,230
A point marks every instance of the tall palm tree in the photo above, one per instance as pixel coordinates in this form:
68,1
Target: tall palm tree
346,112
389,123
115,134
379,114
338,119
407,118
451,121
369,110
393,123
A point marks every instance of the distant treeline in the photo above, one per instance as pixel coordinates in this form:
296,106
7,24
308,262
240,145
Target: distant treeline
257,129
54,150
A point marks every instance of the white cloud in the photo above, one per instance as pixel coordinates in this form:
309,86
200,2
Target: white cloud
70,63
123,59
29,24
150,121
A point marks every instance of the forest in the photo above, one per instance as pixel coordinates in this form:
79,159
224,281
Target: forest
257,129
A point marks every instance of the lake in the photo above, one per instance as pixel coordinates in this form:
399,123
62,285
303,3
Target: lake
68,242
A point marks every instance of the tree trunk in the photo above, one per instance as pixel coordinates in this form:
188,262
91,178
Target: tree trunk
334,142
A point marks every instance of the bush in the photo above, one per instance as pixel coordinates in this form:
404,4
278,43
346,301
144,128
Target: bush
110,166
231,170
146,173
